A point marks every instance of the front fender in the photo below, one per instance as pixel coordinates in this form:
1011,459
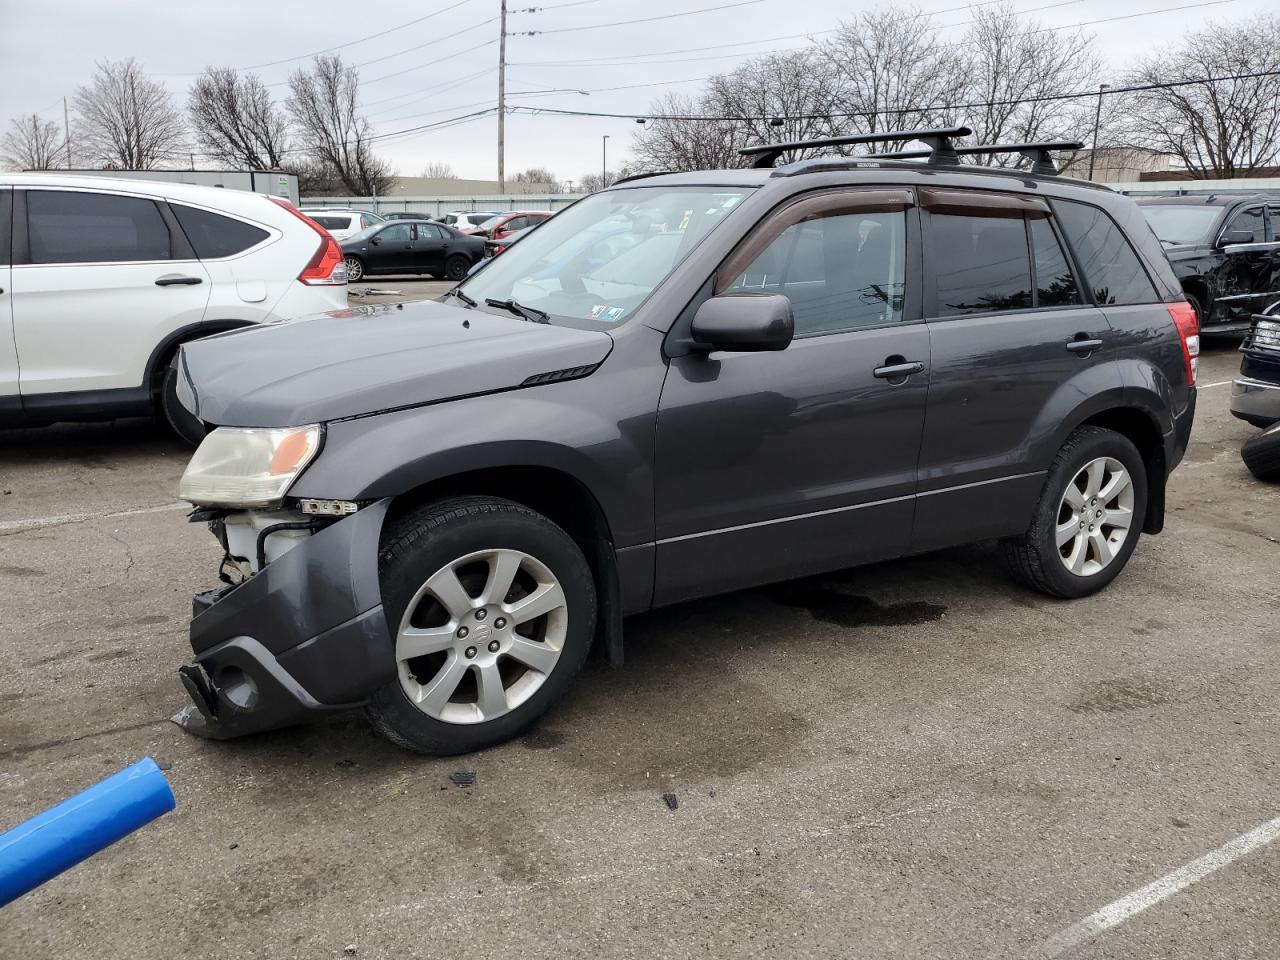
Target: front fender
600,434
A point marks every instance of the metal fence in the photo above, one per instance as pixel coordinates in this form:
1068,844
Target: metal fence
1179,188
438,206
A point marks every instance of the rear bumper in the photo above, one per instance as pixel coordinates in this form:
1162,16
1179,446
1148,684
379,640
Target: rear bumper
1255,400
304,637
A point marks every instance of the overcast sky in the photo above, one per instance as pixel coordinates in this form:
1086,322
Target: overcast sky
48,48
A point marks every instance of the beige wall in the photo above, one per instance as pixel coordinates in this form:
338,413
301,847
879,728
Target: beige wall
1114,164
433,187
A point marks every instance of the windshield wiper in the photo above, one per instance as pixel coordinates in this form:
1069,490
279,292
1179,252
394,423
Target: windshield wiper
456,292
532,314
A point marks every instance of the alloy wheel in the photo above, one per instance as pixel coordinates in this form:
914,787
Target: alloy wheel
481,635
1094,516
355,269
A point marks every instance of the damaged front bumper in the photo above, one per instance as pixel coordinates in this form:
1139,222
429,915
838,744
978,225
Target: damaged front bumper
305,635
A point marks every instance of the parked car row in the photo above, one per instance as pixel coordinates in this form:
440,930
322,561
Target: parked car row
411,246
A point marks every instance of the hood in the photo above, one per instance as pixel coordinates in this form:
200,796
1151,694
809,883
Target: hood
365,360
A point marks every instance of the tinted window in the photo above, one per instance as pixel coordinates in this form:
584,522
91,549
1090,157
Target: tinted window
6,209
331,222
1180,223
1110,266
982,264
213,235
1273,227
839,272
1055,286
516,223
69,227
429,231
396,233
1252,221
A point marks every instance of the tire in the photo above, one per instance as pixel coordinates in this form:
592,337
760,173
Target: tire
355,269
1077,568
1261,454
456,267
438,701
184,423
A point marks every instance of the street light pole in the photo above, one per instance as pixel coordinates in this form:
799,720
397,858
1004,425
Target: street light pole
1097,122
604,161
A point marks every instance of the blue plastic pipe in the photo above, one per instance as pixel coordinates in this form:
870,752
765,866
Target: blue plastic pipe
80,826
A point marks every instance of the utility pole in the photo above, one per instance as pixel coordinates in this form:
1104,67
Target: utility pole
1097,122
502,97
66,130
604,161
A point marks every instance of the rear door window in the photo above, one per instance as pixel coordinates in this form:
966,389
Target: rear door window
66,226
429,231
982,264
212,235
1055,284
1111,267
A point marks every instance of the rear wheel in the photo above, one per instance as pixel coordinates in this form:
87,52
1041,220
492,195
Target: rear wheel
1089,517
355,269
456,267
493,608
184,423
1261,454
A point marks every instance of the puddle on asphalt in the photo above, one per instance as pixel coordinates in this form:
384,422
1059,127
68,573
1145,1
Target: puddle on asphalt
830,605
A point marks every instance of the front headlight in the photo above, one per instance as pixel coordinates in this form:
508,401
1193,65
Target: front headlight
248,466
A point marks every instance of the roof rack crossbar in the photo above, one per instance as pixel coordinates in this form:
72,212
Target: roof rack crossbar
939,141
1040,154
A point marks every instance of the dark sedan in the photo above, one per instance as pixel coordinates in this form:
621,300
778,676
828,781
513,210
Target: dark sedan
1225,251
411,246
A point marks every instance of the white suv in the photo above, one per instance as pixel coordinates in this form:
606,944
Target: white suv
101,281
468,223
343,223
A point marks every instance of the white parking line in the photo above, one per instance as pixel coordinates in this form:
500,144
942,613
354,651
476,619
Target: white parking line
1134,903
34,523
1220,383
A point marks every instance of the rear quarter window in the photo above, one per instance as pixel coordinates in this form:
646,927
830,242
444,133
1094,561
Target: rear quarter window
212,235
331,223
1111,268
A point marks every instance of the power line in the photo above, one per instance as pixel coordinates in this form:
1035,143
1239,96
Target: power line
900,111
340,46
423,66
624,23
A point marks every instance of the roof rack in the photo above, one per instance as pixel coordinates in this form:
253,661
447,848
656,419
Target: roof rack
1038,153
941,149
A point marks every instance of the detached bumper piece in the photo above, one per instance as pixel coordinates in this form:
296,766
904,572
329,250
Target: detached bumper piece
303,637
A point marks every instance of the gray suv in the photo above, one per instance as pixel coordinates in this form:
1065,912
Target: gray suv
686,384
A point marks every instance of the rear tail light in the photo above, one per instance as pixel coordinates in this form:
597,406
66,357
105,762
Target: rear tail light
327,267
1184,318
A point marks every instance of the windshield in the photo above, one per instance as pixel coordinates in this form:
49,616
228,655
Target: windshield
364,234
1178,223
593,264
491,222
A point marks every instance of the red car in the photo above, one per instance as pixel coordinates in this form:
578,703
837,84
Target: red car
507,223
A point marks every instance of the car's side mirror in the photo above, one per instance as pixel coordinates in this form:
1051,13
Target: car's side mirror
375,241
1232,238
742,322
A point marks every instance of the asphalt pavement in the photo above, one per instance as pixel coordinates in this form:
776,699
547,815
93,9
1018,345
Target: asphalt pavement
918,759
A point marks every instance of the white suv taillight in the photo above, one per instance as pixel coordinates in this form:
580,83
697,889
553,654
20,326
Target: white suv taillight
1184,318
327,267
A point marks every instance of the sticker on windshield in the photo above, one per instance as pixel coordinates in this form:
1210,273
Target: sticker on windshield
595,312
613,314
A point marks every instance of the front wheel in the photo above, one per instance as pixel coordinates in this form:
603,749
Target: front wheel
456,267
1088,519
493,608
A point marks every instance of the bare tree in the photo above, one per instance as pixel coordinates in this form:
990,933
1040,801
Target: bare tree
32,144
325,105
670,142
236,121
127,120
888,70
1012,63
439,170
1218,128
538,175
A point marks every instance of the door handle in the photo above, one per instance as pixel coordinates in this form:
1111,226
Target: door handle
899,369
177,280
1083,346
